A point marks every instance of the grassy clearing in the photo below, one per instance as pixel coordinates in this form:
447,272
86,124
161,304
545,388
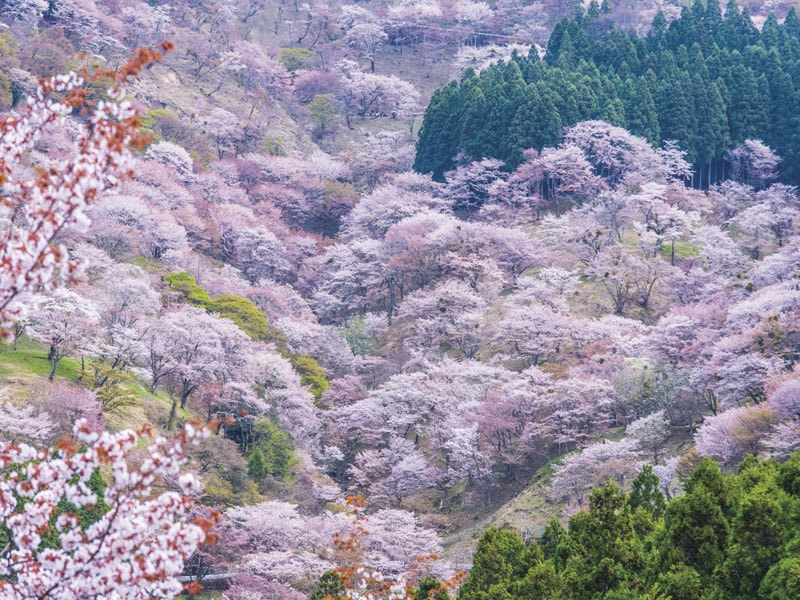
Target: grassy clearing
23,367
30,358
682,250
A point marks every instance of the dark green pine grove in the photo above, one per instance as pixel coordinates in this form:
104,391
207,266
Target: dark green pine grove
706,80
728,537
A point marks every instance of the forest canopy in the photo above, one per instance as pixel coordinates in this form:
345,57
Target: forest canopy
706,81
729,536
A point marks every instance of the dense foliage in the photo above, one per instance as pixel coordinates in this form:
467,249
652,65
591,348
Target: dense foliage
360,329
730,536
706,81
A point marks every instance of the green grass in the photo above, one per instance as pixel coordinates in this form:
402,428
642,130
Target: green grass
30,358
21,367
682,250
147,264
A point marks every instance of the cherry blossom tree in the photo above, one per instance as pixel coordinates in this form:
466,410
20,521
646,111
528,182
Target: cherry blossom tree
754,163
532,334
784,440
578,473
782,200
468,185
18,424
626,278
343,279
741,376
414,10
124,302
261,255
559,175
735,433
578,233
576,410
784,399
321,341
27,11
68,404
650,432
144,24
776,268
66,322
447,314
203,348
40,208
614,153
385,206
472,12
663,222
755,227
136,549
391,474
174,157
371,95
367,39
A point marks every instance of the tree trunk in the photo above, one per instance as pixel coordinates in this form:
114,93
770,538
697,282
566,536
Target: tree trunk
53,357
172,411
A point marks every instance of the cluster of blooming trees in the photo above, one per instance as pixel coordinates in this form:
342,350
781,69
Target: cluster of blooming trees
358,328
69,530
459,350
695,325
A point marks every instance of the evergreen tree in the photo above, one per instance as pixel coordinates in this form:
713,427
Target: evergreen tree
754,544
645,493
681,31
695,534
731,537
640,111
736,31
500,560
682,582
257,465
593,11
330,586
552,536
429,588
771,32
705,81
747,106
676,113
473,131
607,556
657,34
536,124
436,145
791,24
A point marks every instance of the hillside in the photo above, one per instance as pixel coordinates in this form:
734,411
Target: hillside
410,252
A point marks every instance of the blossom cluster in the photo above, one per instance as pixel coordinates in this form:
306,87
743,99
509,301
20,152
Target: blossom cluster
38,202
136,549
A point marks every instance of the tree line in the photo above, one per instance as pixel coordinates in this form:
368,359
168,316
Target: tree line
705,80
731,536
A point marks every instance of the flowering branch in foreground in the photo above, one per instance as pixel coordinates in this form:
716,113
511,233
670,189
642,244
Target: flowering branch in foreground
135,550
34,210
